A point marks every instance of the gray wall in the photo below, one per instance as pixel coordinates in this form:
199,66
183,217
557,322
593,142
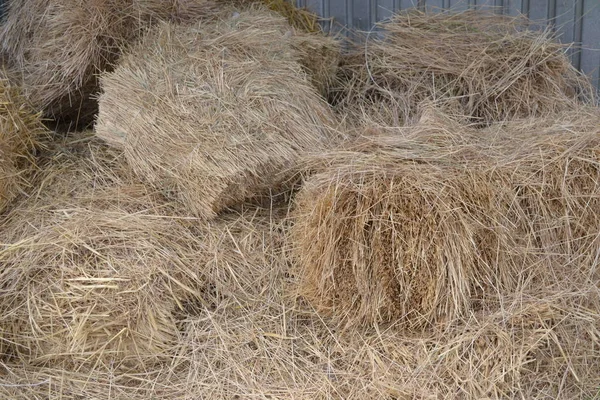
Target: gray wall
575,21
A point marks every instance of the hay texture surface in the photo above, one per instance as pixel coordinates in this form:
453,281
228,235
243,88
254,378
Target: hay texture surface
251,337
57,48
214,113
420,227
20,132
479,66
93,269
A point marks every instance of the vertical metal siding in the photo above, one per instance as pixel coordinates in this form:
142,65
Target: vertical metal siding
574,21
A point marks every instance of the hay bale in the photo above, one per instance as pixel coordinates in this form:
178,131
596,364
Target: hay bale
481,66
59,47
94,271
413,228
320,57
20,131
404,244
218,131
557,160
318,53
386,232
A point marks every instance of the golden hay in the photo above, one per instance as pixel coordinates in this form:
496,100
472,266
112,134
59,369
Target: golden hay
384,238
214,113
93,270
481,66
318,53
250,337
59,47
414,228
20,131
299,18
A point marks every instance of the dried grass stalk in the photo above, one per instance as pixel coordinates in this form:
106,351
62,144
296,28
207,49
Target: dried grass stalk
417,228
249,335
94,271
477,65
20,132
214,113
59,47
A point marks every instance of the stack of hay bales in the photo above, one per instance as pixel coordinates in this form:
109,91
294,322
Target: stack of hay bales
57,48
472,252
480,67
414,228
214,113
97,273
20,131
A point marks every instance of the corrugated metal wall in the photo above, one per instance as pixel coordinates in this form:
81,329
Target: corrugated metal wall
575,21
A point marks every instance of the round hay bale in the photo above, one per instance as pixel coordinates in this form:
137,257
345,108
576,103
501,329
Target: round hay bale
20,130
59,47
385,233
213,113
481,66
418,227
94,271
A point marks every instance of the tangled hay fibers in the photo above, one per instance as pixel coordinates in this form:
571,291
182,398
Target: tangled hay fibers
416,227
481,66
252,338
219,130
59,47
94,271
299,18
20,131
318,53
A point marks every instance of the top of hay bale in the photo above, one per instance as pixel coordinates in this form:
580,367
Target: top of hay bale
298,18
214,112
481,66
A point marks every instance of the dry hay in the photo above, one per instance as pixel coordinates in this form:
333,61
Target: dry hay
221,130
318,53
383,233
557,162
481,66
59,47
299,18
250,337
94,270
20,132
418,228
